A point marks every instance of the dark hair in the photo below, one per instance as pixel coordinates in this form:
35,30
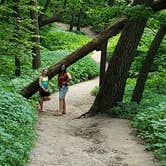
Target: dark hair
60,70
44,70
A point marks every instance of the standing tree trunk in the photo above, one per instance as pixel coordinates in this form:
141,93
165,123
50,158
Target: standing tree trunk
112,89
36,61
72,20
104,53
17,59
17,66
65,4
139,88
79,20
103,61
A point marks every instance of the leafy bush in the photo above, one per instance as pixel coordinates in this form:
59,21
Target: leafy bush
95,91
151,126
83,69
17,119
62,40
157,82
17,116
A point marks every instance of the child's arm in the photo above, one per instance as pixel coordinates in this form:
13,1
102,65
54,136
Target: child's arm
68,78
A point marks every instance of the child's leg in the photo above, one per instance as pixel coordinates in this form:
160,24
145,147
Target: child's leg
64,106
60,105
41,104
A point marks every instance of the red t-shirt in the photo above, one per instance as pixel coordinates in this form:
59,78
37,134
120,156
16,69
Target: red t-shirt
63,78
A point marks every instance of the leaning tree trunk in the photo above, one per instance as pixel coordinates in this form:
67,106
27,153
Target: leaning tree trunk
139,88
33,87
36,61
112,89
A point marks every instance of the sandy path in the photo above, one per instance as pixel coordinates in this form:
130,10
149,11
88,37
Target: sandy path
97,141
86,30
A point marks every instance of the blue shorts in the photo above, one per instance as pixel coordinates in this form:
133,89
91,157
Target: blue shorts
62,92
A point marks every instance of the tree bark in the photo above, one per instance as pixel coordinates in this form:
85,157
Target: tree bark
50,20
36,61
139,88
33,87
17,59
103,61
72,20
79,20
112,89
17,66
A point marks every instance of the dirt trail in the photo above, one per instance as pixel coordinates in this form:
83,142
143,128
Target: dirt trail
97,141
86,30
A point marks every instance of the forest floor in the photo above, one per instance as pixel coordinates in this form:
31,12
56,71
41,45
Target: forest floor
97,141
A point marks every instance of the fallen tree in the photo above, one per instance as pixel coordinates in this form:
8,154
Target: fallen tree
33,87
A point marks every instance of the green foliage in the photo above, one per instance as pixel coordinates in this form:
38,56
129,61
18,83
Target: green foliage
138,11
17,119
83,70
61,40
15,29
111,46
157,82
95,91
151,126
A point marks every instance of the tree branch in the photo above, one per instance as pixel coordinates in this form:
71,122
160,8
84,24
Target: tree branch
51,20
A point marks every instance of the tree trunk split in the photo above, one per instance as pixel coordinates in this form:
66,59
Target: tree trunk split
112,89
33,87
